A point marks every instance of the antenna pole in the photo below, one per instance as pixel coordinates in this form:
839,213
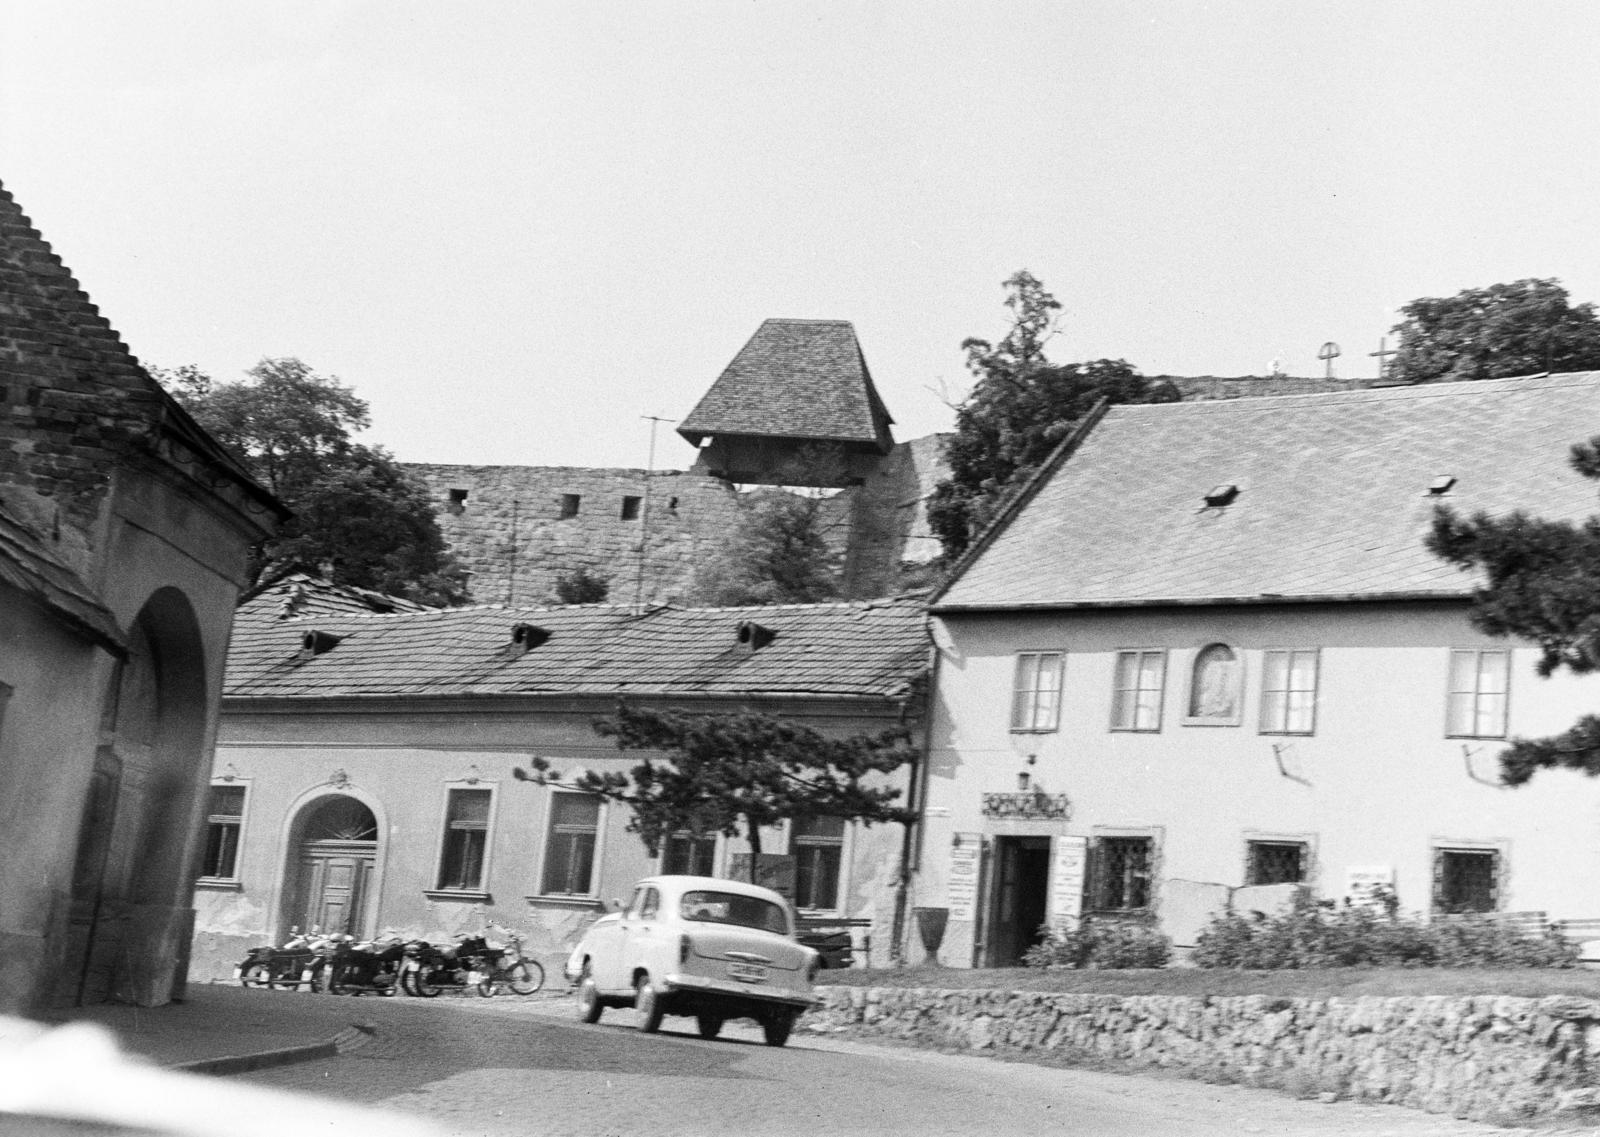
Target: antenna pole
644,515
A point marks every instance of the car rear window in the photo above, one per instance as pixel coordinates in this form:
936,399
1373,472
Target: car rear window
732,908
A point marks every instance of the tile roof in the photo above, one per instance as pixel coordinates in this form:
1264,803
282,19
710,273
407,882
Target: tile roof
795,379
27,565
1332,499
865,650
299,594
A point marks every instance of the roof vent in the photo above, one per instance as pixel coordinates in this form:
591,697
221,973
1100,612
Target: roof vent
1222,494
316,643
526,636
755,636
1441,485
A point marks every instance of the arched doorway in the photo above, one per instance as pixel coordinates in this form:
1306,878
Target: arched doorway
334,853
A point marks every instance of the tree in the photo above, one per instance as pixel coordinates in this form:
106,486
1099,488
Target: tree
1521,328
1018,411
1543,584
582,586
358,516
777,553
736,772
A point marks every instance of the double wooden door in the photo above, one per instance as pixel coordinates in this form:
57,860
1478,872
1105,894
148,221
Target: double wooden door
333,884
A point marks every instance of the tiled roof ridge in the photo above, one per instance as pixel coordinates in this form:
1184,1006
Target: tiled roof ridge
867,605
806,320
1397,393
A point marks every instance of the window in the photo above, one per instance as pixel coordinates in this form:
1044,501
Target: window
224,821
630,507
1289,692
569,853
1136,698
466,840
1121,873
569,505
1276,862
1466,880
684,854
1477,699
1036,692
1214,687
817,845
646,903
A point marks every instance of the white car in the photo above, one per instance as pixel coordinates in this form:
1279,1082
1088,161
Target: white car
697,945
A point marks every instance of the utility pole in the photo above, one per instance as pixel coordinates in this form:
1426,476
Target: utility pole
644,515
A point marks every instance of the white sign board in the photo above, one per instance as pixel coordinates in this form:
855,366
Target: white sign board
1362,881
1070,861
962,898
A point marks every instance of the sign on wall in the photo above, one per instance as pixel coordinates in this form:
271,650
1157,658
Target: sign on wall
1027,806
962,897
1070,860
1365,884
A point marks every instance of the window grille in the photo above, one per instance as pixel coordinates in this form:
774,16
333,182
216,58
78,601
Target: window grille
1289,692
224,820
1136,698
817,844
1466,880
1036,692
1121,873
1276,862
1478,690
466,840
569,854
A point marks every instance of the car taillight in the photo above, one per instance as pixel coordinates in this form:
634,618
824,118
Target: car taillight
683,949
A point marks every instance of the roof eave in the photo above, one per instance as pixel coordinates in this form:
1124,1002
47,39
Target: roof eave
1261,600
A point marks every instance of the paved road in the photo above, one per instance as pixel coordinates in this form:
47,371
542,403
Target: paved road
508,1066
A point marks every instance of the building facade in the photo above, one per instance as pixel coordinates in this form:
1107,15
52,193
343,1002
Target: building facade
1207,655
124,532
364,775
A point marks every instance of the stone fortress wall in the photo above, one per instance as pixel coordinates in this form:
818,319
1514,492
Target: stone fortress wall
518,528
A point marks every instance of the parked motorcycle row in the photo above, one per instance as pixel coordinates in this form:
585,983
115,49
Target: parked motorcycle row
340,965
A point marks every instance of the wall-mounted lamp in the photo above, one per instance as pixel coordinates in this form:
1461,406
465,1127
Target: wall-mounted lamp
474,776
229,774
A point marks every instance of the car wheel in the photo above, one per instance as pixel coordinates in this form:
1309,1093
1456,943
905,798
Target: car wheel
256,975
590,1007
710,1025
776,1027
647,1001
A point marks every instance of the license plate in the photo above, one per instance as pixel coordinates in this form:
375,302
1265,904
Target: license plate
747,972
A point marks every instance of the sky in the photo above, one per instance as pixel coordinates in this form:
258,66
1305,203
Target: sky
518,228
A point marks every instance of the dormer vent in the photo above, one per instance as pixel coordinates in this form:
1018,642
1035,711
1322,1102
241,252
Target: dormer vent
1441,485
754,636
526,636
316,643
1222,494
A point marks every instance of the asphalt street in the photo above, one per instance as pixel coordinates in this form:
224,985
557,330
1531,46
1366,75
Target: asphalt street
515,1066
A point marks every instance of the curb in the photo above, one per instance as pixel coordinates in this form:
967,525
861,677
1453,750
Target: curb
351,1038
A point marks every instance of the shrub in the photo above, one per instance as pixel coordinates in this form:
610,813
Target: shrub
1310,934
1100,944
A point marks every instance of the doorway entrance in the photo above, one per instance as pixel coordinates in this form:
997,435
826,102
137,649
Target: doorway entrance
1020,896
334,859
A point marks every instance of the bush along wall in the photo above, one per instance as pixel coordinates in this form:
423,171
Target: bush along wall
1495,1058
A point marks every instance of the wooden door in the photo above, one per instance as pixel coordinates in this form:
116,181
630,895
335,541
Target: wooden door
331,889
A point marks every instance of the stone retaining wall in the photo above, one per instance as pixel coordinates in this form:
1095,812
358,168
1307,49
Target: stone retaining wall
1491,1058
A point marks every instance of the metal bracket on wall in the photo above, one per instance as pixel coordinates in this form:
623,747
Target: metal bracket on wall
1279,749
1467,754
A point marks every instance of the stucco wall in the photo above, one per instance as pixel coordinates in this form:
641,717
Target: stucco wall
1378,783
1495,1059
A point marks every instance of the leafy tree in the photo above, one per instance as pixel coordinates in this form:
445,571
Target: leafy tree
581,586
737,772
1018,411
358,515
1543,584
1521,328
777,553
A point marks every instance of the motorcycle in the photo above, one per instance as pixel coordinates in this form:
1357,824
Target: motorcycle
298,963
359,968
430,969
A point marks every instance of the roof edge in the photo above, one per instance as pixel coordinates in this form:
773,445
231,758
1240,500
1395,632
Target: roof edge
1202,601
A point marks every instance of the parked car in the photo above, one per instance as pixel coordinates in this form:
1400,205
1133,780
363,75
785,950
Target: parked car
696,945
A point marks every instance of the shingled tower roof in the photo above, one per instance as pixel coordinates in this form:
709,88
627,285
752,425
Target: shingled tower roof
795,379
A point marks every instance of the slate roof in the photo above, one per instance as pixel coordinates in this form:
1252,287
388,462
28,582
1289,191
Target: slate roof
863,649
1333,498
28,565
795,379
301,594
